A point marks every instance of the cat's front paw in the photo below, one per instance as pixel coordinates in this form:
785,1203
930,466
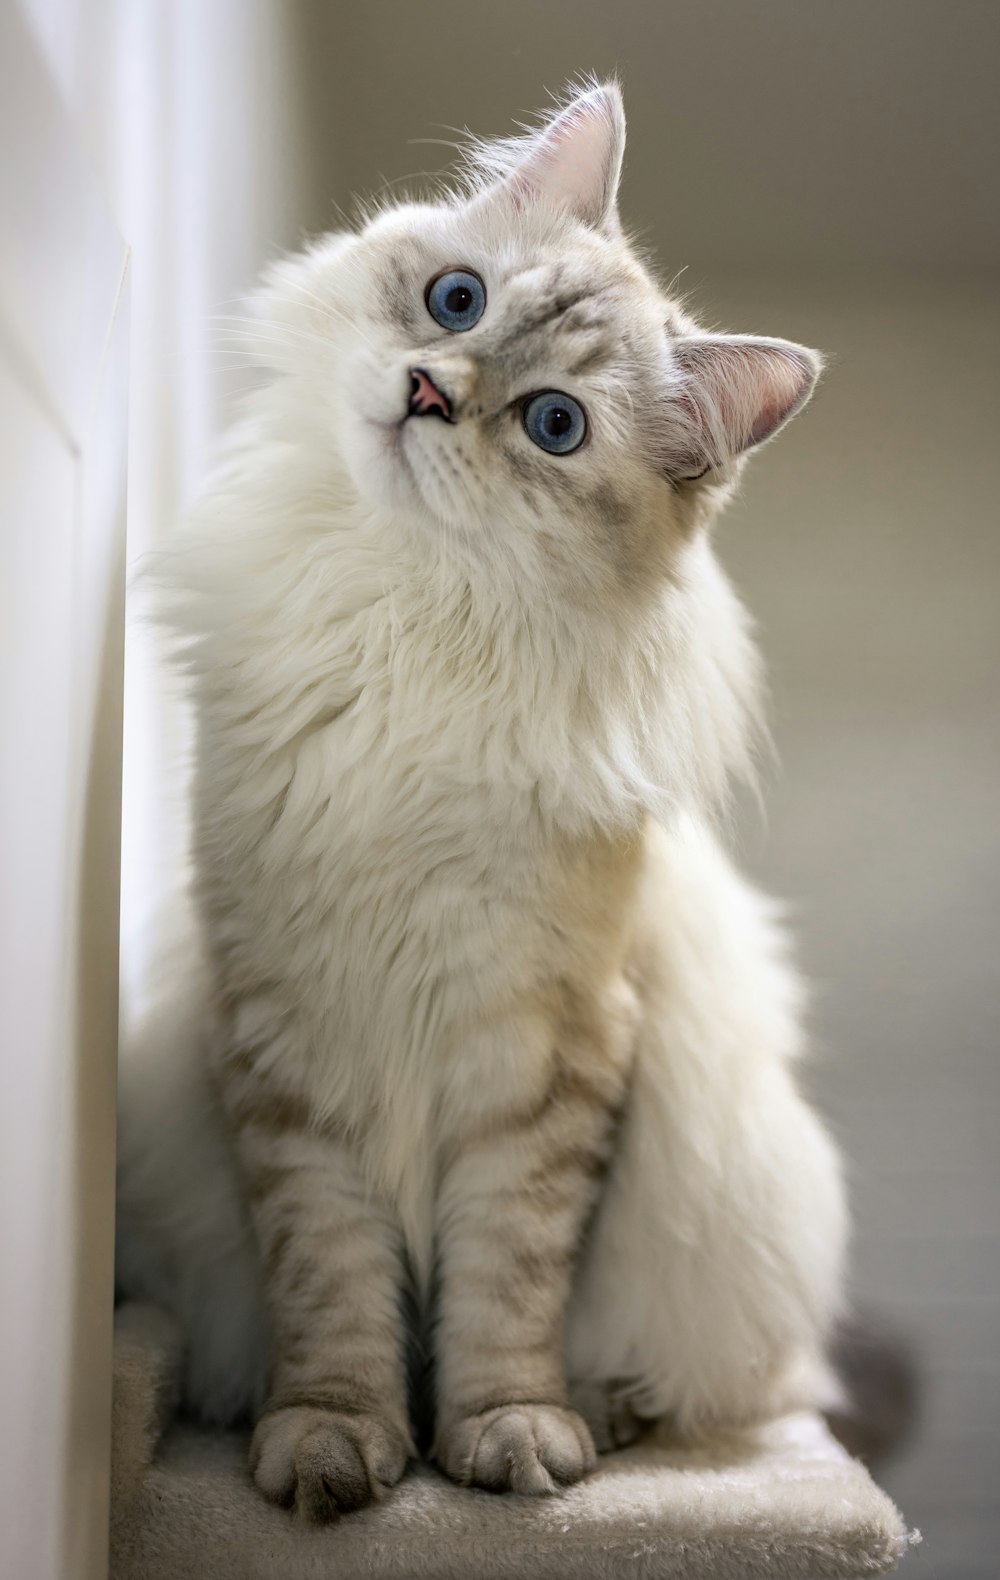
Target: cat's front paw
325,1463
532,1448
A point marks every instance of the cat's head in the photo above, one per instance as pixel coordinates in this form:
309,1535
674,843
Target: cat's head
498,370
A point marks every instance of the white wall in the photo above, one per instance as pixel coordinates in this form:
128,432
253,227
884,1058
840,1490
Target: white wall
64,283
167,134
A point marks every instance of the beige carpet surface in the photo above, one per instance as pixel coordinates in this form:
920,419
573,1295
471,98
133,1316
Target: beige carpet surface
784,1501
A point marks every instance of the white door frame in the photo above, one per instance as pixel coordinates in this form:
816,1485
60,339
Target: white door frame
63,431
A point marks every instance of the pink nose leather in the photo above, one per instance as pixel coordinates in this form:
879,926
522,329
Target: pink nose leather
426,400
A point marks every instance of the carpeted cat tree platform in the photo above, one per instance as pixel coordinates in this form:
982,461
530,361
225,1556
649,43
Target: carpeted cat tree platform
784,1501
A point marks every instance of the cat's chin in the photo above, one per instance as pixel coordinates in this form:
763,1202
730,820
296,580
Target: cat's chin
388,472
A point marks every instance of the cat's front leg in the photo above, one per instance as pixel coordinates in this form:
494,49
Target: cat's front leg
335,1433
511,1211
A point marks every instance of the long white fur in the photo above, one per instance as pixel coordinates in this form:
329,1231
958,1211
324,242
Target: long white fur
386,686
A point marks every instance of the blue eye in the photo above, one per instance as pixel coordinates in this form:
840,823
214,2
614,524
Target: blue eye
457,300
555,422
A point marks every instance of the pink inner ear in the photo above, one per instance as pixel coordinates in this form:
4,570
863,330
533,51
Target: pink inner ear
781,382
739,390
578,148
575,163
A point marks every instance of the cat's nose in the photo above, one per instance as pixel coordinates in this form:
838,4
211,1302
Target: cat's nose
426,400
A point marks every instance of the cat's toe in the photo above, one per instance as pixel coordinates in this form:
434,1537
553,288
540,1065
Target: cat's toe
324,1463
529,1448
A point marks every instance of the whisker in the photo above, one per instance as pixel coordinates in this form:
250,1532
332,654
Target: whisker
435,179
256,328
334,314
438,142
248,326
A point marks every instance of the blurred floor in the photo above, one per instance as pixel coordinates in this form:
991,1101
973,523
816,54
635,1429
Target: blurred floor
867,545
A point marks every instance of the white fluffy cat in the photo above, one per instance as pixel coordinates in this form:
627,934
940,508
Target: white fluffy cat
476,1003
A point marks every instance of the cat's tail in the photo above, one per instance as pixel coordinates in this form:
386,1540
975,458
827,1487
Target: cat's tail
183,1238
881,1387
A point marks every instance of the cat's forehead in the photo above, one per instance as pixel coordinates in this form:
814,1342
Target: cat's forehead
562,286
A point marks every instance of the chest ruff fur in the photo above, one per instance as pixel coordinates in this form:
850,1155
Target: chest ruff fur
394,979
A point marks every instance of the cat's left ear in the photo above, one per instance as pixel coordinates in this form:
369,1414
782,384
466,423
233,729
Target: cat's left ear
575,162
726,394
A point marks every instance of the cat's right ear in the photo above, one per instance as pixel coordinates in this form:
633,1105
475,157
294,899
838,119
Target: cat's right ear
726,394
573,163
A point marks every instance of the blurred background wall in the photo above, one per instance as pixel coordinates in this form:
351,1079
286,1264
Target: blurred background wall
819,169
824,170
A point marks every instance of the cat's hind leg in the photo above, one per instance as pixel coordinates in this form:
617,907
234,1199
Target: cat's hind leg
711,1273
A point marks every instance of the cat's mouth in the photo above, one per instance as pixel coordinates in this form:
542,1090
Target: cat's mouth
432,460
425,470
